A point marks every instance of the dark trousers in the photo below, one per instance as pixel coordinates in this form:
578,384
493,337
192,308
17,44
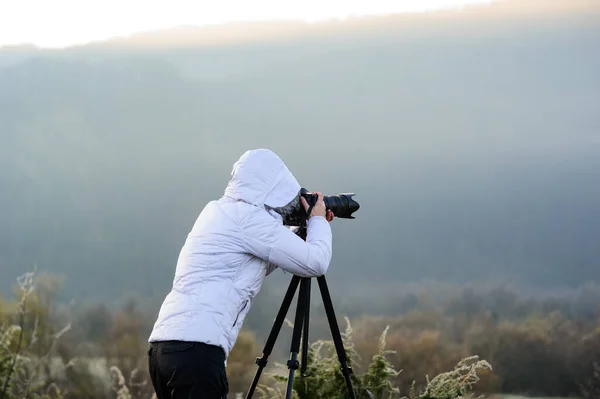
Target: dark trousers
187,370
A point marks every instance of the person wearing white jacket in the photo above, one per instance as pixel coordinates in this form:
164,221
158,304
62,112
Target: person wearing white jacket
234,244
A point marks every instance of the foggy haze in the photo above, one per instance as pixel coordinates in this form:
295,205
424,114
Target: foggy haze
472,147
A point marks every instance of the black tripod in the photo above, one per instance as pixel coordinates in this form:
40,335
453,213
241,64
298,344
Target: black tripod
301,327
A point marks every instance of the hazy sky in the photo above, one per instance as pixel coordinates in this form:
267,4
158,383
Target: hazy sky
60,23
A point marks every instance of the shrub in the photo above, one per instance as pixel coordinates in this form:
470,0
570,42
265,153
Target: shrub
591,389
25,371
325,379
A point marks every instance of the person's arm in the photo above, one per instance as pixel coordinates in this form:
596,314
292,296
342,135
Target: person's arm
268,239
270,267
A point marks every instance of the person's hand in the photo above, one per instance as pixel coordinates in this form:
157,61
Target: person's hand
319,208
329,215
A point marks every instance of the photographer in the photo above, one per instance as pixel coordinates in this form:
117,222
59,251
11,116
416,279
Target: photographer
234,244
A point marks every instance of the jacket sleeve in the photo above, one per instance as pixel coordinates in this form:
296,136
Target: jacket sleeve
269,239
270,267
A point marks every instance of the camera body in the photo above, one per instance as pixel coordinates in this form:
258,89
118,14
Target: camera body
342,206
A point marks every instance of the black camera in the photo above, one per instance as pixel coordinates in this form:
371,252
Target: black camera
342,206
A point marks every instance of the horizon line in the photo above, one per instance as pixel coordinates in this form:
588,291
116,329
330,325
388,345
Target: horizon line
449,10
231,23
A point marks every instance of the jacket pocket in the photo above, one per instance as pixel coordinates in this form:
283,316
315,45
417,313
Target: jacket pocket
240,312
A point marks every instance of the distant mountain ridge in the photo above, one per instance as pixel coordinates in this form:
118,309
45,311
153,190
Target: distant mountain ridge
257,32
241,33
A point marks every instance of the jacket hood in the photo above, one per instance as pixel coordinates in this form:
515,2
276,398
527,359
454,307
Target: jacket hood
261,178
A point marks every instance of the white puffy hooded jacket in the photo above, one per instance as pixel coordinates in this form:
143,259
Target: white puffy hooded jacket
234,244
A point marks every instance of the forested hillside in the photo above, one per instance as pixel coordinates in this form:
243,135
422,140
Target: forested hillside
472,148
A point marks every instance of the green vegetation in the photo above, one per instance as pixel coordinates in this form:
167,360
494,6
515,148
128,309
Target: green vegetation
325,379
49,351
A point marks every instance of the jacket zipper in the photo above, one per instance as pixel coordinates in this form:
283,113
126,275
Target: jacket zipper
240,312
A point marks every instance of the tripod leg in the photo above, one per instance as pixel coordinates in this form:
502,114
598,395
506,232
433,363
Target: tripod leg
296,334
285,305
305,331
335,332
